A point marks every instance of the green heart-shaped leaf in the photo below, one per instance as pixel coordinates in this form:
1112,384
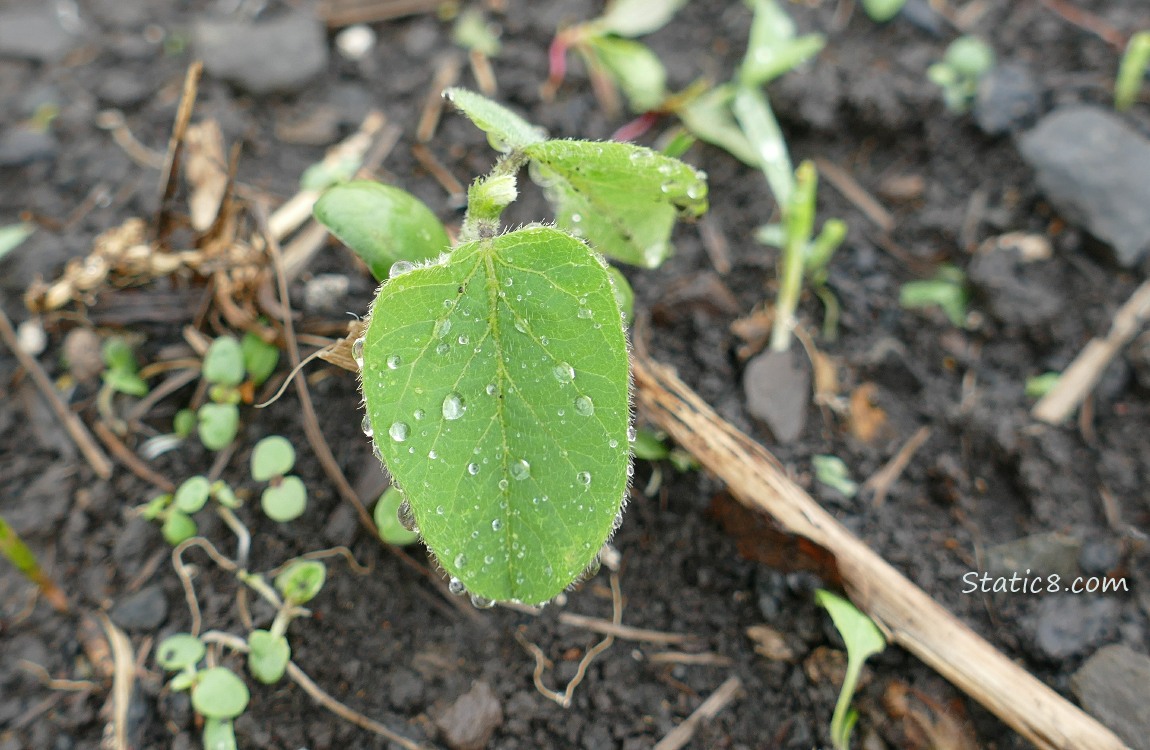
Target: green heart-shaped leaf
285,501
219,694
224,362
180,651
192,494
218,424
301,580
623,199
272,457
497,383
381,224
638,17
268,656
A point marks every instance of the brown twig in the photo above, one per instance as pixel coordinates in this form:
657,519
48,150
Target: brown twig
168,178
1084,19
446,74
130,460
707,710
1086,370
123,680
95,457
678,657
856,194
455,190
317,693
906,614
882,480
338,13
626,632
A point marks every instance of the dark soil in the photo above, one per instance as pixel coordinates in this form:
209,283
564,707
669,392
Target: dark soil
387,643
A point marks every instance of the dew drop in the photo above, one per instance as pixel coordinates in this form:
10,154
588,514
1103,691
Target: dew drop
433,454
490,389
564,373
696,190
406,516
375,451
442,348
496,525
419,414
584,478
398,432
520,469
508,281
584,313
503,484
519,326
576,218
440,510
365,425
399,268
357,351
631,434
612,443
472,469
456,586
488,559
442,328
461,560
393,362
584,406
481,602
463,339
453,406
544,340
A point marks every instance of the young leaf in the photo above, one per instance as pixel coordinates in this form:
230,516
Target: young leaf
709,117
621,198
773,48
219,694
260,357
863,639
224,362
268,656
386,516
638,17
12,235
272,457
178,527
946,290
758,122
117,355
219,735
285,501
1131,72
833,472
301,580
123,381
496,383
180,651
506,131
218,424
635,68
192,494
882,11
381,224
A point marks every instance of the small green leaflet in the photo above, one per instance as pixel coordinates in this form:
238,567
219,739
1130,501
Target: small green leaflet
381,224
635,67
623,199
638,17
496,384
506,131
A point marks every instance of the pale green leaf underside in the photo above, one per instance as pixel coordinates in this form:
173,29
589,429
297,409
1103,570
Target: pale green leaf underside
623,199
638,17
637,69
506,131
497,386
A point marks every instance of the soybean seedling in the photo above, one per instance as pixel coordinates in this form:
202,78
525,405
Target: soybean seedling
947,290
863,640
966,61
226,365
614,60
285,497
174,510
495,373
1131,71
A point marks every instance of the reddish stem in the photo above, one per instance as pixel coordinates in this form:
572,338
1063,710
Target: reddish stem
637,127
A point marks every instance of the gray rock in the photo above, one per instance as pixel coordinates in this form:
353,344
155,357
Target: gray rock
1111,686
20,146
777,386
33,32
280,55
121,88
469,723
1099,556
1017,292
145,610
1067,625
1096,172
1007,99
1042,554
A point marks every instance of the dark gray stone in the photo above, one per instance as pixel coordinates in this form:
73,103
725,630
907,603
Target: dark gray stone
121,88
469,723
1112,687
20,146
1007,100
1067,625
1041,554
1096,172
145,610
777,386
279,55
1017,292
33,32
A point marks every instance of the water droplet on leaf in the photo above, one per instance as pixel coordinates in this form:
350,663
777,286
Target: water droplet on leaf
564,373
453,406
399,268
398,432
393,362
520,469
584,406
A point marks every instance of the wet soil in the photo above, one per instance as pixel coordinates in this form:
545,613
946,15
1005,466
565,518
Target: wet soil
387,643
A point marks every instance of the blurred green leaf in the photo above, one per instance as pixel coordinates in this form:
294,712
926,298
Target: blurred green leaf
268,656
285,501
273,456
473,31
831,471
191,496
635,68
1131,73
637,17
219,694
757,120
772,47
122,381
301,580
224,362
863,639
947,290
709,117
178,527
260,357
882,11
219,734
180,651
13,235
218,424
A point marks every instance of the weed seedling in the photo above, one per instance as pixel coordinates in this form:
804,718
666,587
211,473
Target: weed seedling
175,510
225,366
1039,385
13,235
285,497
882,11
833,472
947,290
1131,71
863,640
13,548
495,373
966,61
217,693
120,369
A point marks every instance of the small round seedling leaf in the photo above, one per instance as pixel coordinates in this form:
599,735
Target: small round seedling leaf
503,413
180,651
285,501
184,422
268,656
224,362
387,519
225,495
260,357
125,381
301,580
219,735
178,527
218,424
381,224
272,457
622,199
117,355
192,494
506,131
219,694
